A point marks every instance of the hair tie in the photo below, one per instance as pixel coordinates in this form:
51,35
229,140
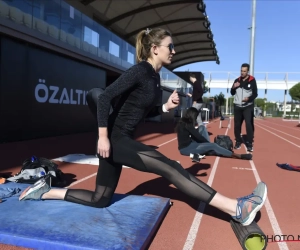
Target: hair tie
147,31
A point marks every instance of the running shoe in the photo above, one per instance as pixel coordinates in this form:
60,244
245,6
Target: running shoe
249,205
237,145
36,191
196,157
249,147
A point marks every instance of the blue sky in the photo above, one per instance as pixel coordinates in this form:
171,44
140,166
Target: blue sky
277,43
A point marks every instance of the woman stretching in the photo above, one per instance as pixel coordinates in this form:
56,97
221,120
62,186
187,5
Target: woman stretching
196,141
133,96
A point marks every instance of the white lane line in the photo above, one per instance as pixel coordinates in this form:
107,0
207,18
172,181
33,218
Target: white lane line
167,142
278,136
81,180
270,212
269,127
242,168
291,121
192,235
274,123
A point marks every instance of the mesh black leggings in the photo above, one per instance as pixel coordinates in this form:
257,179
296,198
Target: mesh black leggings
143,158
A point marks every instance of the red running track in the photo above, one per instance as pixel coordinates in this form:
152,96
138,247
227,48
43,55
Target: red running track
188,224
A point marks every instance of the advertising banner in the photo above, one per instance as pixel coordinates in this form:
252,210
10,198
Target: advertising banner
44,94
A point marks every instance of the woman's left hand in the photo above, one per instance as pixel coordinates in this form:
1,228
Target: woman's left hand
173,100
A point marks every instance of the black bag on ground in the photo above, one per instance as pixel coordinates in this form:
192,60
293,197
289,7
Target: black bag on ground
224,141
34,168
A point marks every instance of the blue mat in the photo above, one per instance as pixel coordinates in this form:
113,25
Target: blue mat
128,223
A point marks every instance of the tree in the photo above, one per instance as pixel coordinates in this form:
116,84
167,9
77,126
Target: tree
230,101
295,92
205,99
261,103
219,99
270,107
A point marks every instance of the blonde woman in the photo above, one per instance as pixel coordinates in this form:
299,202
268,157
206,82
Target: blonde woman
133,96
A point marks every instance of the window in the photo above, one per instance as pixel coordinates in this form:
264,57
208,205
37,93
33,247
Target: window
114,49
70,19
90,36
130,57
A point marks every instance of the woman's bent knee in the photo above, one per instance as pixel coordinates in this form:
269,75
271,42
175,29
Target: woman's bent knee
184,152
102,203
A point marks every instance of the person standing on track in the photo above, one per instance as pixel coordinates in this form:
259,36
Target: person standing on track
197,96
134,95
244,90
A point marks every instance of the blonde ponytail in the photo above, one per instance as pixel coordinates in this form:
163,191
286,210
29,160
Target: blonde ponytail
139,48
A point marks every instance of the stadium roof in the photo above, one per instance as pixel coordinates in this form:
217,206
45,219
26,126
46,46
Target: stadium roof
185,19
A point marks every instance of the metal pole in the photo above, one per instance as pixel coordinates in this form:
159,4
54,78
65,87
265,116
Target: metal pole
285,92
227,95
266,89
252,48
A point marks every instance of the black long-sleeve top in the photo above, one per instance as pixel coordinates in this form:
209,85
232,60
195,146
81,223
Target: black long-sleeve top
183,135
197,92
133,96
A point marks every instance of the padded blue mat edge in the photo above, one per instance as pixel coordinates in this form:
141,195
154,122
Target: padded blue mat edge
128,223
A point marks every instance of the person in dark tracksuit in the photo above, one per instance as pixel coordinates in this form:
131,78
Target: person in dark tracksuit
244,90
197,96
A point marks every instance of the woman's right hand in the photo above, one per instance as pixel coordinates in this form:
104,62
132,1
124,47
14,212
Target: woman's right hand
103,147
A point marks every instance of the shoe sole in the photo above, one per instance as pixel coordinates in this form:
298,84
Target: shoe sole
32,188
254,212
200,156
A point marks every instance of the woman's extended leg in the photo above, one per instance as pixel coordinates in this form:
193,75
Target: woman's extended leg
203,131
106,182
143,158
203,148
